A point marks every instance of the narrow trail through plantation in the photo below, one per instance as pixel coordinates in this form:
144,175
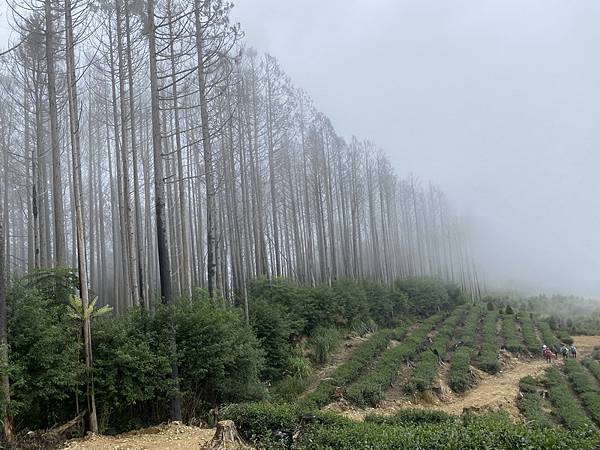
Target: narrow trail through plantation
491,393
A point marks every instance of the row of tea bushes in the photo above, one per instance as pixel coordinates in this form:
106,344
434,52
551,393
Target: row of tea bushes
571,413
513,341
459,375
593,366
426,368
531,404
370,389
268,427
488,354
529,335
585,386
357,364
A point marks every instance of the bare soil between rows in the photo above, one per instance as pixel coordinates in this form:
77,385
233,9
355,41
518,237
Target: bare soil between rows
490,393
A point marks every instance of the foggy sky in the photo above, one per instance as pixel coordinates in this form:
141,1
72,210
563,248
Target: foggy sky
498,102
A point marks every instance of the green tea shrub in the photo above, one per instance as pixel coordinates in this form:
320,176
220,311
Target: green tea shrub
569,410
531,404
426,367
349,371
488,354
532,342
512,340
407,430
370,389
413,417
548,335
585,386
593,366
459,376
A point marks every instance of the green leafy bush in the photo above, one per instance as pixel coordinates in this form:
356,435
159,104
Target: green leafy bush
274,328
512,340
428,296
413,417
260,422
459,377
529,335
569,410
531,405
219,360
586,387
564,336
488,354
593,366
45,369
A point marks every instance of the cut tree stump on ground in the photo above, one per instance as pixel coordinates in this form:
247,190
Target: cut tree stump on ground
226,438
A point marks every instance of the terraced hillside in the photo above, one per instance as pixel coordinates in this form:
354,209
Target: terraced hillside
471,358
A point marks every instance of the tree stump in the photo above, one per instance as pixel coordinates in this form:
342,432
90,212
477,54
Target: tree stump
226,438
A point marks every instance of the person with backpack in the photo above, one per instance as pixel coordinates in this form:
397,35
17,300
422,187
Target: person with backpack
564,351
573,351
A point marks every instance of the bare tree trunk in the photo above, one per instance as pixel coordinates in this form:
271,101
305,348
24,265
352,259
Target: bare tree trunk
60,253
159,196
6,415
79,226
208,158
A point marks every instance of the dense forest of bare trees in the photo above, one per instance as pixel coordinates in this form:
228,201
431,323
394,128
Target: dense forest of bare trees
148,145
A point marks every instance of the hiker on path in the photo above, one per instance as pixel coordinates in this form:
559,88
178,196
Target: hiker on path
548,355
573,351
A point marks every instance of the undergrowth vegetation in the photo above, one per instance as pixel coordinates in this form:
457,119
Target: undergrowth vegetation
220,357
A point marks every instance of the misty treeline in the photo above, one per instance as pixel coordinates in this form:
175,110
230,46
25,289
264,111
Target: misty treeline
193,174
146,145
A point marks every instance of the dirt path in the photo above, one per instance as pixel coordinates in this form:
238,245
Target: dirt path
496,392
163,437
492,393
585,344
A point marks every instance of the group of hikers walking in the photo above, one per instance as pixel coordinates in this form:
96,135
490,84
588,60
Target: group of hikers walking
564,350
